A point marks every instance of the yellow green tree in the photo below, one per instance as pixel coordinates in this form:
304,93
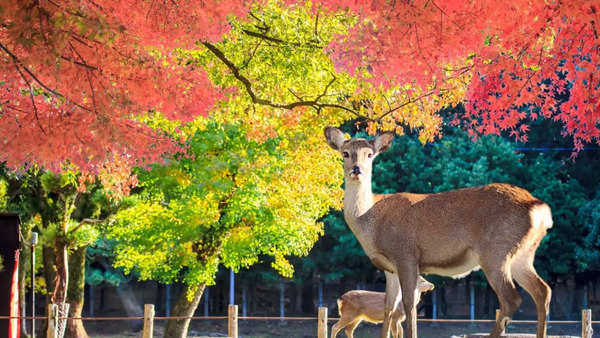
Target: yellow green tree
242,190
275,69
226,200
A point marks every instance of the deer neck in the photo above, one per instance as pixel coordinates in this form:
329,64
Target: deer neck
358,199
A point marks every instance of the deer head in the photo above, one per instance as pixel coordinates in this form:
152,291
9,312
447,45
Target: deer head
358,153
423,285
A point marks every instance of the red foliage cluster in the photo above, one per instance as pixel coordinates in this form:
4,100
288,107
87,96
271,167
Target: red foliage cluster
73,74
519,54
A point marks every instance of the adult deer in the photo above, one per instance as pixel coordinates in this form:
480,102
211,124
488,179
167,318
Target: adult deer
358,305
496,227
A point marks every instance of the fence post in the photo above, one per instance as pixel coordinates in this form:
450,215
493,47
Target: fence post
322,323
148,321
586,323
232,321
34,242
52,321
498,319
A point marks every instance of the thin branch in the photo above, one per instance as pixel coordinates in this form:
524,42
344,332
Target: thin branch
86,221
88,74
461,27
247,61
280,41
264,26
85,65
410,101
314,103
35,110
295,95
326,88
20,65
387,102
248,85
421,49
318,37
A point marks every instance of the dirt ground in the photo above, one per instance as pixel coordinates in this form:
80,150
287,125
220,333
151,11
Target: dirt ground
308,329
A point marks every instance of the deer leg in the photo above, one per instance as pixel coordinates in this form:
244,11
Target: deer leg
524,273
392,292
409,274
500,279
399,330
342,323
350,328
397,319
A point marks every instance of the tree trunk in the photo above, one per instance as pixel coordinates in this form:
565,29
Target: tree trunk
308,305
298,294
75,293
183,307
49,272
443,304
49,276
59,296
62,271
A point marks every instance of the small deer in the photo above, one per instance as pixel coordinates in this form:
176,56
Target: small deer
358,305
496,227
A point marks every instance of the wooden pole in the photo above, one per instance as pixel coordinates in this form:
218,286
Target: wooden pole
586,323
232,321
322,323
148,321
52,321
498,319
34,242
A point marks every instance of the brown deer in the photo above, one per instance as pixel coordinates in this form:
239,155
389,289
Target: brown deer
358,305
496,227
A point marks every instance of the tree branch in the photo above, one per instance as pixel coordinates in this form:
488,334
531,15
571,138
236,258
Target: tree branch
35,110
416,99
280,41
314,103
86,221
19,64
255,99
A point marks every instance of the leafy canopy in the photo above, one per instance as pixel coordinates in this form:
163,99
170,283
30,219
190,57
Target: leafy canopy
228,199
78,75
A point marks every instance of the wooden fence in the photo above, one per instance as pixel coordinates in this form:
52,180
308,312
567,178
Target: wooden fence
322,320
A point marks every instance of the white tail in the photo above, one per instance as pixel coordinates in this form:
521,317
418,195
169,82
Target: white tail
497,227
359,305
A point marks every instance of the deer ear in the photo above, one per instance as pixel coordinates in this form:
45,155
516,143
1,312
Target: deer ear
335,138
383,142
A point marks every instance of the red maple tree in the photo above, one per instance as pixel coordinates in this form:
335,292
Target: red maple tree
523,57
76,73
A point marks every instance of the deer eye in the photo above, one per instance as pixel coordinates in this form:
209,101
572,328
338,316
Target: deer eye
345,154
370,155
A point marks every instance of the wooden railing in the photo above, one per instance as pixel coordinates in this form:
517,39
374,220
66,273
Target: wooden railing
233,318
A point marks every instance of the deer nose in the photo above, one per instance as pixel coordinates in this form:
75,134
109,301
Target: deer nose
356,170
